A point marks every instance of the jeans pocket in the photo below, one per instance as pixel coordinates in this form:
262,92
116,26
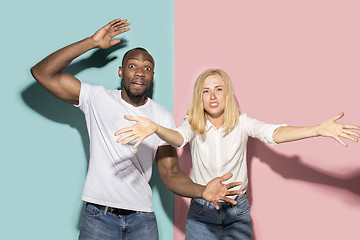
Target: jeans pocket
242,207
92,211
148,215
197,207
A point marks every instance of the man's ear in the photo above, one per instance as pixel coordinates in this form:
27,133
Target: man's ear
120,72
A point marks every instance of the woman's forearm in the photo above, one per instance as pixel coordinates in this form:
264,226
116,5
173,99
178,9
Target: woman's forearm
289,133
174,138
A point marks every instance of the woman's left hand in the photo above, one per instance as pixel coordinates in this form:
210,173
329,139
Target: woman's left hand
331,128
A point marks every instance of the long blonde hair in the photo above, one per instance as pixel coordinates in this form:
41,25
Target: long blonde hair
197,114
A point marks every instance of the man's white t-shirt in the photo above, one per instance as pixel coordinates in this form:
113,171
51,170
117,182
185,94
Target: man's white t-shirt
118,175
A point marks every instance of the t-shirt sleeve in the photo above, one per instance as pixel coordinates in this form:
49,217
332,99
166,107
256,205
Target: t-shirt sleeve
260,130
87,91
185,130
84,98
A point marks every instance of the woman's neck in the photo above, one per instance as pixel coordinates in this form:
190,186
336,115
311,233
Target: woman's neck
217,121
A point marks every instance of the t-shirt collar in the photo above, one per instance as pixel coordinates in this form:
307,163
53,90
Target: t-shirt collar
125,102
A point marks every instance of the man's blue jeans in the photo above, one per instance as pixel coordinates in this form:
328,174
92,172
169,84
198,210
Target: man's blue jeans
229,222
97,224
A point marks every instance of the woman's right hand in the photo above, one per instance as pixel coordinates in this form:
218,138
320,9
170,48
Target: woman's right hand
141,130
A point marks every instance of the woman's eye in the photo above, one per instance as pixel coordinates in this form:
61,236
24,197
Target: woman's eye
219,89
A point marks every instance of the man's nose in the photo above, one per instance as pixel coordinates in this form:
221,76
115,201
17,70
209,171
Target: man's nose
140,72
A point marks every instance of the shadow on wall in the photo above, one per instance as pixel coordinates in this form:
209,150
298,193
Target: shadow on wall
42,102
287,167
293,168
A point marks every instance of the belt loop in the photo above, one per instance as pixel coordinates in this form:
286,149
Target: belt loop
106,209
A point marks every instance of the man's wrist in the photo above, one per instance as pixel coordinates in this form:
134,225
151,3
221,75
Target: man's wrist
91,43
201,191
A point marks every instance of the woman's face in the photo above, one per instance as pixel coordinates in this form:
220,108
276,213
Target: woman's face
214,96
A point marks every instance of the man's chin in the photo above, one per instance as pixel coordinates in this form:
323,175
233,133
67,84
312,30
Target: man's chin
137,94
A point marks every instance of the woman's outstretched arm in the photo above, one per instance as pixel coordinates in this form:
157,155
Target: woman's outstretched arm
328,128
144,128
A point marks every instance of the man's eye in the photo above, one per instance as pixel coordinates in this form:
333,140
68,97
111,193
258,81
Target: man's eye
148,68
131,65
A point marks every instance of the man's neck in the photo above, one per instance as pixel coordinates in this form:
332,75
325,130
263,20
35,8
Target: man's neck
135,101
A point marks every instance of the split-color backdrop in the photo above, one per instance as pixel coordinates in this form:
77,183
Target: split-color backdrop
293,62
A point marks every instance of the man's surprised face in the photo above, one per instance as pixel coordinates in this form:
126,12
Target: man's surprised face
137,73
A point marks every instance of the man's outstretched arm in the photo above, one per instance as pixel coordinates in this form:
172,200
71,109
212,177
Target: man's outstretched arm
176,181
66,87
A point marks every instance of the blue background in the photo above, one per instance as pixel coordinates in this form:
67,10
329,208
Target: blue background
44,143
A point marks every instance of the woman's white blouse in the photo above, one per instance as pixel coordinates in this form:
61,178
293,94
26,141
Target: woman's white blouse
215,153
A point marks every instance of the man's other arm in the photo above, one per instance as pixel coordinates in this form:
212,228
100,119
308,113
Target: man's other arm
176,181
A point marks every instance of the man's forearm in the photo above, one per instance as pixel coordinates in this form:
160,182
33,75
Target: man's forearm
182,185
59,60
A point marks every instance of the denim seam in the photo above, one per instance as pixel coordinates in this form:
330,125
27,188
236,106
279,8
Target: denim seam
243,212
244,200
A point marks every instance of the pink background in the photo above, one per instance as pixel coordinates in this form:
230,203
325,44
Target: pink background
294,62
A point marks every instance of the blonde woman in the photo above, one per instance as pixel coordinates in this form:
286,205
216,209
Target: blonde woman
217,133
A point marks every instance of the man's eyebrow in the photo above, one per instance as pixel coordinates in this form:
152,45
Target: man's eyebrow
149,60
135,58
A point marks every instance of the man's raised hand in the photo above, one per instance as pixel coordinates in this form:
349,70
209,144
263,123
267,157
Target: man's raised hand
104,36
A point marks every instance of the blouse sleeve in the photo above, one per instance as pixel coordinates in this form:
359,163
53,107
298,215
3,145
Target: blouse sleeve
260,130
185,130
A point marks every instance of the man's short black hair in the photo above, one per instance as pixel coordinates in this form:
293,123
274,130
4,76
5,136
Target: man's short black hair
137,48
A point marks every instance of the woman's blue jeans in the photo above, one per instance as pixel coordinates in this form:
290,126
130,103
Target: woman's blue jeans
97,224
229,222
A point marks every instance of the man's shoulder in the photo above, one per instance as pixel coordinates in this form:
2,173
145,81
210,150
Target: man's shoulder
93,90
160,115
158,106
95,87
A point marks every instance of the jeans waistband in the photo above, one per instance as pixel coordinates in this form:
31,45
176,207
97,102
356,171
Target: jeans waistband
238,199
114,211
